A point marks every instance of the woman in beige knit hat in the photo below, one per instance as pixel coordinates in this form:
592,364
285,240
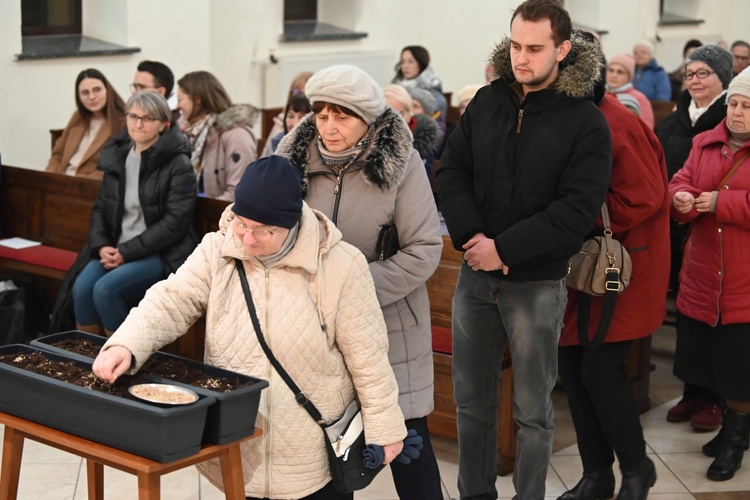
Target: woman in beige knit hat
359,167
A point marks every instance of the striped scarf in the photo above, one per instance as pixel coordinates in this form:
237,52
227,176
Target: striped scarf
342,159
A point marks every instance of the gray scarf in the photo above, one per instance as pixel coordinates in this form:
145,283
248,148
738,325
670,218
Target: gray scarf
270,261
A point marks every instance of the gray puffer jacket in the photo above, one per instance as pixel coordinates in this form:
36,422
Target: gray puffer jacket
386,183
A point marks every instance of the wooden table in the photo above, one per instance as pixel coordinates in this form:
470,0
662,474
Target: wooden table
98,455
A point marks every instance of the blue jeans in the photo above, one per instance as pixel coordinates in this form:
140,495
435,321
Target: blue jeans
106,296
489,312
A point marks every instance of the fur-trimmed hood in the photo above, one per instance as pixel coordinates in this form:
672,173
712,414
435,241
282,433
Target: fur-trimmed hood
579,71
384,160
236,116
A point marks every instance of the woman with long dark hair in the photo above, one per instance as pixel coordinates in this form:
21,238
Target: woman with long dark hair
99,115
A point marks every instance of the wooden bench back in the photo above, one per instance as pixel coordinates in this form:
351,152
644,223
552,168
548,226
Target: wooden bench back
56,209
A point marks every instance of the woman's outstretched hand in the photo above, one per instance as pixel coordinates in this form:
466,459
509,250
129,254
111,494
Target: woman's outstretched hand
112,363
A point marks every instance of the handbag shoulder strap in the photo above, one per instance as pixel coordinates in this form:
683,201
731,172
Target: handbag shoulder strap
731,171
610,296
300,396
605,217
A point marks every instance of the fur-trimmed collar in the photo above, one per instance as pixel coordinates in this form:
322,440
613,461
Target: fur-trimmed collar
579,71
426,135
237,115
384,160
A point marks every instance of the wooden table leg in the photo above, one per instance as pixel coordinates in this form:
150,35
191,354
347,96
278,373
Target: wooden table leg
95,480
149,486
231,473
11,463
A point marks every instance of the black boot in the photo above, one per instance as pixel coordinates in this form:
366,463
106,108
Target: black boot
596,485
734,442
636,482
711,449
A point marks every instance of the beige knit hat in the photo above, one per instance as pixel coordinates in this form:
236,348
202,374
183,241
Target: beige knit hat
350,87
740,84
467,93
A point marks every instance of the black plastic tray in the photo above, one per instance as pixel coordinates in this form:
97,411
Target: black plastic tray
158,432
233,415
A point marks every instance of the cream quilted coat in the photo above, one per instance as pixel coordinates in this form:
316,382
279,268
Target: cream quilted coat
289,460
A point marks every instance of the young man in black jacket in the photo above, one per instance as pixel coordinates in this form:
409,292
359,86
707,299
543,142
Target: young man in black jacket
520,185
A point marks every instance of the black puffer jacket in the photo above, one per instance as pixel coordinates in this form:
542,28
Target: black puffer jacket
676,132
531,174
168,196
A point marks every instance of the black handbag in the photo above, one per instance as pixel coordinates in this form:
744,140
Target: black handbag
345,438
387,245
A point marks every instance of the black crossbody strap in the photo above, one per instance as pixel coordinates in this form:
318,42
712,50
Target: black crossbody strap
298,394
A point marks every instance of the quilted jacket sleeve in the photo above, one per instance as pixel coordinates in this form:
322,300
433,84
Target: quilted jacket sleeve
362,339
170,307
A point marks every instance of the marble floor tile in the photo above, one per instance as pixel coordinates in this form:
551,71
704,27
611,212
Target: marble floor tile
691,469
182,484
669,437
48,481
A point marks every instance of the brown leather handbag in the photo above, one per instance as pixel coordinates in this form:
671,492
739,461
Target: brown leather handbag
602,268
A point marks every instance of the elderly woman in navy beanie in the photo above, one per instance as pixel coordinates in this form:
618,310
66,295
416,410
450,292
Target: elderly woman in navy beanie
713,322
301,275
359,167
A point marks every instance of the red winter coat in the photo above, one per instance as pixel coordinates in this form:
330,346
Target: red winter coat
639,215
716,268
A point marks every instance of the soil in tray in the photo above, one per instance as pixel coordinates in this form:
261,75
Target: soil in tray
171,369
67,371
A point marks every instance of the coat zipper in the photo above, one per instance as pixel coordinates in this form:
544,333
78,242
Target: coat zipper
337,197
520,119
337,193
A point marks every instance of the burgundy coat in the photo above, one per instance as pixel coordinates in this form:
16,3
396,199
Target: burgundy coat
639,214
716,268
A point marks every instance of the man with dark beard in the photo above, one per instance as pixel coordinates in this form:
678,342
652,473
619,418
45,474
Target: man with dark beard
520,185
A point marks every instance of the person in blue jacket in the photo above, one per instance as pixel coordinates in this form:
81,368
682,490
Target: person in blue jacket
650,78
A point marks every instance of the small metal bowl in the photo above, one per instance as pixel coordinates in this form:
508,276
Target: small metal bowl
163,394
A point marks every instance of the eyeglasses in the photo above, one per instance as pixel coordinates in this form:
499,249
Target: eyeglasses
139,87
146,120
258,234
701,73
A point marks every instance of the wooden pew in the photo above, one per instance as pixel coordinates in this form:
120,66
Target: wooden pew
55,210
661,110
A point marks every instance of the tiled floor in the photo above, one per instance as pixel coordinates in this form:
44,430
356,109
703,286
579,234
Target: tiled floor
48,474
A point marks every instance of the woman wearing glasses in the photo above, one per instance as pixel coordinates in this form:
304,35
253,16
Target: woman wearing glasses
710,192
221,135
142,224
100,114
319,313
707,72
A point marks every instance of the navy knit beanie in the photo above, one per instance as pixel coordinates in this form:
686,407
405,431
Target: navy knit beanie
270,192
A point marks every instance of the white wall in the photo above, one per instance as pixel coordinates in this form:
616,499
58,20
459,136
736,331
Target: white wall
233,39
